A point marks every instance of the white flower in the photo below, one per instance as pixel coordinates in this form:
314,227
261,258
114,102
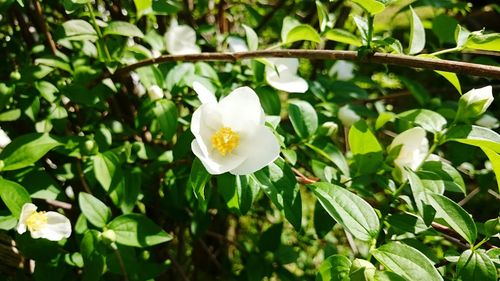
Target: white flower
237,44
488,121
283,76
230,135
343,69
155,92
4,139
348,116
49,225
474,102
414,147
181,39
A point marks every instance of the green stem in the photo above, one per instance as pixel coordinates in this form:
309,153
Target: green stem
370,31
98,30
480,243
456,49
373,245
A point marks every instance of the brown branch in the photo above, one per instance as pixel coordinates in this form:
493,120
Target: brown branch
301,178
44,28
473,69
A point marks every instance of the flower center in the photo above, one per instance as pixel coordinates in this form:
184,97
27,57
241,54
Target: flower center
225,140
36,221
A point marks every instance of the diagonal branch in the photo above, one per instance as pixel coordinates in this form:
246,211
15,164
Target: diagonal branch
473,69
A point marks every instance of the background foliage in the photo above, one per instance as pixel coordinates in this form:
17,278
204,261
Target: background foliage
118,164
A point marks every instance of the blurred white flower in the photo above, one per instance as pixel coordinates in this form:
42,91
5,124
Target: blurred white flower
348,116
474,102
230,135
181,39
283,76
4,139
488,121
155,92
49,225
344,70
237,44
414,147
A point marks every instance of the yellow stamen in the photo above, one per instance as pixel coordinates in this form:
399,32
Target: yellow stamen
36,221
225,140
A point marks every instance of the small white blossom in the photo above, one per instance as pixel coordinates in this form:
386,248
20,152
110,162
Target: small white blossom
348,116
414,147
230,135
344,70
181,39
49,225
474,102
4,139
155,92
283,76
237,44
488,121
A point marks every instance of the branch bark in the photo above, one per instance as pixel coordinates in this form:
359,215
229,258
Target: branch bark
44,27
473,69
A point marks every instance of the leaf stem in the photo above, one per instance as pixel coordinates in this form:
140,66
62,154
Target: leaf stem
445,51
480,243
370,31
98,30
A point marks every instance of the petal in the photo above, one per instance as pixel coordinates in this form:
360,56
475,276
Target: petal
204,94
241,110
4,139
204,123
26,211
57,227
181,40
262,151
215,163
283,76
284,64
237,44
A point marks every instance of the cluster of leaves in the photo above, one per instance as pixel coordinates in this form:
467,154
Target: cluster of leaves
334,206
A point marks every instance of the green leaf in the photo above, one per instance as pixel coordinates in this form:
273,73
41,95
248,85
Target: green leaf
302,32
461,36
451,178
407,223
476,266
79,30
288,24
93,259
26,150
334,268
343,36
269,99
452,78
371,6
137,230
96,212
122,28
236,192
406,261
252,38
366,149
10,115
47,90
487,42
474,135
143,7
417,34
495,163
198,178
166,114
444,27
348,209
455,216
7,222
362,26
108,170
427,119
322,15
387,276
303,117
330,152
323,222
14,196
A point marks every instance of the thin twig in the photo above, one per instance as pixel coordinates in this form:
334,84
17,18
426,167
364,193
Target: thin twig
177,267
122,265
59,204
473,69
469,196
81,175
301,178
212,257
45,29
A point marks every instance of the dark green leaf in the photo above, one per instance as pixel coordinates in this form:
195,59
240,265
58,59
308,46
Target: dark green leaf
166,114
138,231
476,266
304,118
14,196
93,209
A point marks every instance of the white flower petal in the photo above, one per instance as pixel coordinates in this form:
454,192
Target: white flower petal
181,39
204,123
414,148
262,151
4,139
488,121
241,110
155,92
283,76
57,227
215,163
204,94
237,44
26,211
348,116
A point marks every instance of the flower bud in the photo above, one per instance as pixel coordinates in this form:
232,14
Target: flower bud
348,116
155,93
328,129
108,236
474,103
413,148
